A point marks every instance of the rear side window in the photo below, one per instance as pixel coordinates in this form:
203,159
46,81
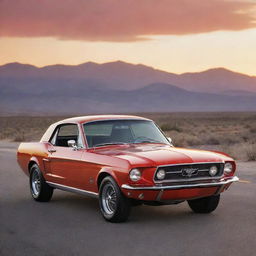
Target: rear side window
64,133
68,130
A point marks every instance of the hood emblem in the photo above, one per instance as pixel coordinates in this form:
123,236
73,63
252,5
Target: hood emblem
189,172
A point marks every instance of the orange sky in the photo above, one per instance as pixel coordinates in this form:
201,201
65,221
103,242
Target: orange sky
173,35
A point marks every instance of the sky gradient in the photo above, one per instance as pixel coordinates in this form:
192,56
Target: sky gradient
173,35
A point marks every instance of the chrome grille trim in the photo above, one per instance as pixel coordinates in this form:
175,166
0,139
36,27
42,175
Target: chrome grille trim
222,162
209,178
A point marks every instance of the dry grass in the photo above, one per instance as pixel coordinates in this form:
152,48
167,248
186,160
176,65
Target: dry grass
24,128
250,151
233,133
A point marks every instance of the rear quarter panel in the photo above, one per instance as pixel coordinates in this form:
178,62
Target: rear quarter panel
31,151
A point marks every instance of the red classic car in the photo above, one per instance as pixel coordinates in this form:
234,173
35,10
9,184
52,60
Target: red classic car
124,161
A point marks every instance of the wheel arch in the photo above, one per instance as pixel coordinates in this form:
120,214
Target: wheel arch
104,173
32,161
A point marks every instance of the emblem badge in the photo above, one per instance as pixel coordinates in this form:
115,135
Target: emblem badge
189,172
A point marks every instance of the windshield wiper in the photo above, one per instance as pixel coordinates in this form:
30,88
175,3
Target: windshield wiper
146,140
149,141
110,143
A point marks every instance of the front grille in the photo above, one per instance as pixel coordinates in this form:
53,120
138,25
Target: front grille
189,172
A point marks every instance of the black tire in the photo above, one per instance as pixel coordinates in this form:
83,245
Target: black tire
115,208
39,189
135,202
205,204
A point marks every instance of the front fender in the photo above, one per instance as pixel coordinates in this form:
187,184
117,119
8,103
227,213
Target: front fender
119,176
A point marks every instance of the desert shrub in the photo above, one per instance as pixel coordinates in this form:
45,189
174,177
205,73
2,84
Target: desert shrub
165,127
193,140
179,141
247,126
19,137
229,139
212,141
246,137
203,130
250,151
233,151
240,151
171,127
253,129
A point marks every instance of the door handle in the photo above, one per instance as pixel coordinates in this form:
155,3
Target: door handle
52,150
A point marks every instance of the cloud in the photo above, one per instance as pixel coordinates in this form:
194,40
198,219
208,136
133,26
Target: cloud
121,20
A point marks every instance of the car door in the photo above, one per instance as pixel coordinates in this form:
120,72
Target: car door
65,162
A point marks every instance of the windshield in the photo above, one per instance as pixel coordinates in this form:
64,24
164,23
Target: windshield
100,133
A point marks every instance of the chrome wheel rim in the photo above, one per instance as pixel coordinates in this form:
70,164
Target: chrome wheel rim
108,199
35,183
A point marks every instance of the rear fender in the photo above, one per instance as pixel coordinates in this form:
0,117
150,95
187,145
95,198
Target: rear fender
39,162
32,160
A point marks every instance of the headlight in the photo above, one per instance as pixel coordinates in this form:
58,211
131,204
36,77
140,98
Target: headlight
135,174
228,168
213,170
160,174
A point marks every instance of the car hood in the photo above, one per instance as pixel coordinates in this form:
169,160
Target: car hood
158,154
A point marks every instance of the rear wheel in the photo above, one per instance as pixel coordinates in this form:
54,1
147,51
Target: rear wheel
114,206
39,189
205,204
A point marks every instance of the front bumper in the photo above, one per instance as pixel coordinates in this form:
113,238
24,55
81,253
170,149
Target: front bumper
178,192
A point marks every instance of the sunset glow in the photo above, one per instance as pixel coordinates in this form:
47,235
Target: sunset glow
176,36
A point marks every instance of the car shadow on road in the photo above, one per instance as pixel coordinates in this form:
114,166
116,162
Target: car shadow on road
79,202
64,205
143,213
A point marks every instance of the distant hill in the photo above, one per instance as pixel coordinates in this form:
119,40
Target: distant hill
120,87
124,76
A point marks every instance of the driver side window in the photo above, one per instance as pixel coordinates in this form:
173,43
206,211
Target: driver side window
64,133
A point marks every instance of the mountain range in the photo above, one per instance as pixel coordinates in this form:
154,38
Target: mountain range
120,87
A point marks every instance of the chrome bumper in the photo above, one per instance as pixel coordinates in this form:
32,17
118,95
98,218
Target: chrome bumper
184,186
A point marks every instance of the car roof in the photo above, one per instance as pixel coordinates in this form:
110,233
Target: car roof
84,119
91,118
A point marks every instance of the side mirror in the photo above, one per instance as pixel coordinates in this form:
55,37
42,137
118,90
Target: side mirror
72,144
170,140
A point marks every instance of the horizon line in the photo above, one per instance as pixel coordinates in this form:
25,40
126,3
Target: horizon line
129,63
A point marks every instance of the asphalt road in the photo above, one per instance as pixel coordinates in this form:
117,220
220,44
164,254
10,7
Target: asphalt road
72,225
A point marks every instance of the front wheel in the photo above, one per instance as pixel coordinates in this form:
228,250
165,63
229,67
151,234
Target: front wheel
114,206
40,190
205,204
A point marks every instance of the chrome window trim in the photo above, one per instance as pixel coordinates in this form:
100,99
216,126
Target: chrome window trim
184,186
189,179
170,144
55,133
117,119
72,189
